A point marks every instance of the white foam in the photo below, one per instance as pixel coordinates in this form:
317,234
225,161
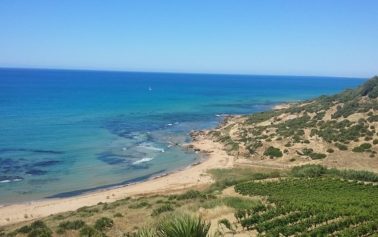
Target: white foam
149,147
10,180
143,160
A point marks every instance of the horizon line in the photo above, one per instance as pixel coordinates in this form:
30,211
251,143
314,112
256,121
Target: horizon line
177,72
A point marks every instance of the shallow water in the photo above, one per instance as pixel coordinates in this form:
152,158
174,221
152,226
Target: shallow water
63,133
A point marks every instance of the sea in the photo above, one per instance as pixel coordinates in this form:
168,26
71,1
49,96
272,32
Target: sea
68,132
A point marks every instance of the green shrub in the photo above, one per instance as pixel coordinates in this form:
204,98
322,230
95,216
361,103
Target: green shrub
24,229
190,194
88,231
330,150
46,232
39,229
103,223
317,156
341,147
118,215
363,147
161,209
308,171
375,141
71,225
139,205
36,229
273,152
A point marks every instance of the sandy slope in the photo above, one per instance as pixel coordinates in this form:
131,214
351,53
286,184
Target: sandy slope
191,176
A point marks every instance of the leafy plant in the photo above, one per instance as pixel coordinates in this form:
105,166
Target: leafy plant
103,223
273,152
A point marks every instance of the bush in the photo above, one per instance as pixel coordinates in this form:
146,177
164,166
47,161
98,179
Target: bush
191,194
88,231
103,223
39,229
330,150
118,215
375,141
308,171
363,147
36,229
341,147
139,205
24,230
45,232
71,225
161,209
273,152
317,156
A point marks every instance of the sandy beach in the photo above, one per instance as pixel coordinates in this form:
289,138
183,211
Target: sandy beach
191,176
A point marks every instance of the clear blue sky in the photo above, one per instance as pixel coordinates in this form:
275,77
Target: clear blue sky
301,37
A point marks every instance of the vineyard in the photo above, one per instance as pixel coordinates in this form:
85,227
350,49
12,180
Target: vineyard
311,207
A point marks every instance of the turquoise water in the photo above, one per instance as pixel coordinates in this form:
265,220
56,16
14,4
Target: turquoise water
63,133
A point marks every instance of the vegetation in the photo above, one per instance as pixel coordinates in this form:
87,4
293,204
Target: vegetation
163,208
309,200
326,121
178,225
273,152
308,171
36,229
70,225
312,171
312,207
363,147
88,231
103,223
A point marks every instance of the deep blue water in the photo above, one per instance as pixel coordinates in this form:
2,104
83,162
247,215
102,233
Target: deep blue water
66,132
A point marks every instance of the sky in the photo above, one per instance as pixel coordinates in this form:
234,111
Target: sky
275,37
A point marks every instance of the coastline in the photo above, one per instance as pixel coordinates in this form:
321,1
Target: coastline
194,175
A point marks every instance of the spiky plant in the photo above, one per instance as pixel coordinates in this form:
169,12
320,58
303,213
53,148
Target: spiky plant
145,232
183,226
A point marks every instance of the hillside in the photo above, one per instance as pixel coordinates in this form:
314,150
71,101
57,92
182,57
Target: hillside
337,131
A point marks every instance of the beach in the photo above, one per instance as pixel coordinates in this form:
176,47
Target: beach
192,176
99,145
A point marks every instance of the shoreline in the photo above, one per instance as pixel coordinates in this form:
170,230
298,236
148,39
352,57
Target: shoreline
191,176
